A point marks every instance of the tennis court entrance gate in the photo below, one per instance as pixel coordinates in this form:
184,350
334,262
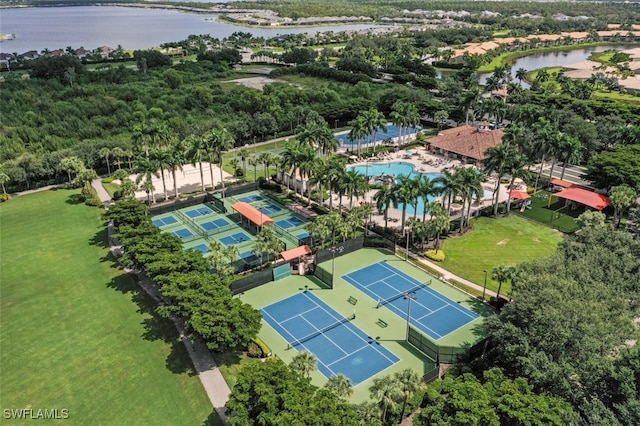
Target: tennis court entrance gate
280,272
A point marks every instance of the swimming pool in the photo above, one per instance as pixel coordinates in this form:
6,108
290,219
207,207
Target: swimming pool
392,132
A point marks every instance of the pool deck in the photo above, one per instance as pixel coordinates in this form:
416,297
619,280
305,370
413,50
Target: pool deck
423,162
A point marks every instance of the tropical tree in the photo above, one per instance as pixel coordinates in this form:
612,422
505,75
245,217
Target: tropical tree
384,198
571,153
318,135
145,169
368,413
521,74
4,178
118,154
253,162
220,140
304,363
175,161
386,392
470,188
409,382
358,131
340,386
267,159
85,177
197,153
355,184
439,222
128,188
222,257
71,165
622,197
517,169
496,161
374,120
105,153
500,273
162,158
244,156
426,188
267,243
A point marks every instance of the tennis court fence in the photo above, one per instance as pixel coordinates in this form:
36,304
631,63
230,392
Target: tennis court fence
324,275
192,224
286,235
443,354
321,331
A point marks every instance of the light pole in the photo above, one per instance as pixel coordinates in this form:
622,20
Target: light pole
484,289
409,297
333,250
335,124
408,236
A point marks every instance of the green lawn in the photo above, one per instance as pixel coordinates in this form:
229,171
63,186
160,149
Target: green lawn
77,333
493,242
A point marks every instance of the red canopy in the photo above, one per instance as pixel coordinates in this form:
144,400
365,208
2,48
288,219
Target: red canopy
560,183
520,195
251,213
295,253
584,196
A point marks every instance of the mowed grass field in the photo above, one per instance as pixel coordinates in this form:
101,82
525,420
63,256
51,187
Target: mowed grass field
76,332
493,242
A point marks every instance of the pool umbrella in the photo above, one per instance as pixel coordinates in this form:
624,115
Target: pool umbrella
520,195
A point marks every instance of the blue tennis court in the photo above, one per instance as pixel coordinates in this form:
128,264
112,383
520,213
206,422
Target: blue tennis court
431,312
237,238
182,233
270,209
291,222
251,198
202,248
213,224
159,222
200,211
308,324
392,132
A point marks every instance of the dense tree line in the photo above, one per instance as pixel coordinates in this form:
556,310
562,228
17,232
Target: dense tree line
570,329
203,300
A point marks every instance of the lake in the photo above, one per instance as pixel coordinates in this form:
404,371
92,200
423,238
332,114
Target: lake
37,28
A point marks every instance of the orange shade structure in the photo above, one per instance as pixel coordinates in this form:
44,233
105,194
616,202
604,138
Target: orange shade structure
254,215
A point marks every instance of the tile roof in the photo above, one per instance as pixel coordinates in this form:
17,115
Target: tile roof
468,141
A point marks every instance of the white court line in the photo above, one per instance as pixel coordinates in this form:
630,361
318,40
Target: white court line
358,336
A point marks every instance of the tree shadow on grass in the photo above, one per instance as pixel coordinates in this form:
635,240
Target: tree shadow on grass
100,239
212,420
75,199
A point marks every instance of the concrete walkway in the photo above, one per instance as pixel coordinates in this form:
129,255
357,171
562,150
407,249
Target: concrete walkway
210,376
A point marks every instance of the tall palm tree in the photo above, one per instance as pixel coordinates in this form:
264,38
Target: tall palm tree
398,117
340,386
289,161
409,383
439,222
496,161
318,135
253,162
426,188
304,363
368,413
521,74
244,155
517,169
471,187
176,161
145,168
355,184
374,120
118,154
358,131
105,152
128,188
501,274
384,198
220,140
449,187
571,153
405,194
386,392
162,158
197,152
267,159
306,160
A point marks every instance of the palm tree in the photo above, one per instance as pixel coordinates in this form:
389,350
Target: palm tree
409,383
355,184
244,155
374,120
340,386
358,131
411,116
71,164
471,187
384,198
426,188
222,258
118,153
318,135
439,222
289,161
449,186
501,274
405,194
267,243
368,413
234,163
571,153
517,168
220,140
496,161
521,74
105,153
197,152
622,197
146,168
175,162
336,168
253,162
398,116
304,363
162,158
128,188
386,391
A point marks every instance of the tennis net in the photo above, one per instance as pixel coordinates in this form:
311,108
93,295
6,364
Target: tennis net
321,331
399,295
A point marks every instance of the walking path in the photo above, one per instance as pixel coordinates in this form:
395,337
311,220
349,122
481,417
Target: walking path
210,376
